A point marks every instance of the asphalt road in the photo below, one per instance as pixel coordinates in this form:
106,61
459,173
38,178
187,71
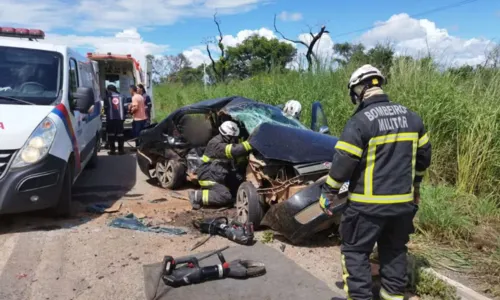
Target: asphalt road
84,258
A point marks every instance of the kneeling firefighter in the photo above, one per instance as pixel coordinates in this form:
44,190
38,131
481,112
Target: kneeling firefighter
383,152
217,164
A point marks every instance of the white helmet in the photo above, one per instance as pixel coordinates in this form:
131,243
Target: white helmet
366,72
292,108
229,128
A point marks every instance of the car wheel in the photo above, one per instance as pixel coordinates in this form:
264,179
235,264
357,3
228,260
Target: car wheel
64,206
95,158
170,174
248,205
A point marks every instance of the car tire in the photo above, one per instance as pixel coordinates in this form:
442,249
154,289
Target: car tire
248,205
170,174
64,206
95,157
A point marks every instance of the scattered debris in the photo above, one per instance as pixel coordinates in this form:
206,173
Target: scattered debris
104,207
140,216
131,222
282,247
22,275
158,200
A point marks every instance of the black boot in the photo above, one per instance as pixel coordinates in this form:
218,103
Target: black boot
194,199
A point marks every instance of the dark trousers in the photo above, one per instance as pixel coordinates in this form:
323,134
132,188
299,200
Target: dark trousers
137,127
114,130
214,194
359,233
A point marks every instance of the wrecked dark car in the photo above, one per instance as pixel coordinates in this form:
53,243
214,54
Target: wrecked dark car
288,163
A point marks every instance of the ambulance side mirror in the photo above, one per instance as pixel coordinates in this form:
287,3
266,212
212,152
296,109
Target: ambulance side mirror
85,98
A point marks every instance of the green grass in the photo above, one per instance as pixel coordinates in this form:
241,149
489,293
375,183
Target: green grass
460,210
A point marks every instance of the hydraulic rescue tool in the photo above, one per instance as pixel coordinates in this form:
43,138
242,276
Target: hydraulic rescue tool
186,271
235,231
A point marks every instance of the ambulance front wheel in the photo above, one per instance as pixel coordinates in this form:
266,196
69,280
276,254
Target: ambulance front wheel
64,206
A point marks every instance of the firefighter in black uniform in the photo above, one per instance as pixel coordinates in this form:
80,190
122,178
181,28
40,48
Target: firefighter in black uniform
115,116
383,152
218,165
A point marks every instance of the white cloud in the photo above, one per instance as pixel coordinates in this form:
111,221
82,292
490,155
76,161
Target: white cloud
290,16
128,41
92,15
416,37
231,41
197,56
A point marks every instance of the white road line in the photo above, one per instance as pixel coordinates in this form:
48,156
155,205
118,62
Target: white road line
6,249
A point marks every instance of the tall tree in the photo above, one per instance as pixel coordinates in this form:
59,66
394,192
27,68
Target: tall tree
219,68
257,54
349,52
310,55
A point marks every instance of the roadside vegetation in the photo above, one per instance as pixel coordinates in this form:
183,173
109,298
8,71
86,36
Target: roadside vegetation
458,223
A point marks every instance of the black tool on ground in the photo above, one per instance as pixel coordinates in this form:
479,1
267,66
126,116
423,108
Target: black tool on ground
235,231
186,271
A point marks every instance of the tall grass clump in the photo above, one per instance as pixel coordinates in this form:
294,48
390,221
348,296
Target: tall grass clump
461,115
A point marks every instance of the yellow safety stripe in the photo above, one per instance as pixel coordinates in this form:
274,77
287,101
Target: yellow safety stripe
228,151
205,159
322,201
204,197
334,184
381,199
420,173
247,146
384,295
372,149
206,183
345,275
423,140
349,148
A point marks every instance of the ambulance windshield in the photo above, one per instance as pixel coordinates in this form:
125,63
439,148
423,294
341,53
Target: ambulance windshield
30,75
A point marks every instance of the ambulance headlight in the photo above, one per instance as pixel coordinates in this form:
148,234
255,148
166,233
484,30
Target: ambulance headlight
37,146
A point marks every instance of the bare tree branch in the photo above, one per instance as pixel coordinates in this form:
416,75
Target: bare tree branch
212,60
285,38
310,55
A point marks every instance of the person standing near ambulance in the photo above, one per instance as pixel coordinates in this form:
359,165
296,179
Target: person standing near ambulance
138,110
115,116
147,102
383,152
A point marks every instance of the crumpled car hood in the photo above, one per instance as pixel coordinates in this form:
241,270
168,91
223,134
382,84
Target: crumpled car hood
293,145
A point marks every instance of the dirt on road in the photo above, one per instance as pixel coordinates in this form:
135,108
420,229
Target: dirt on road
84,258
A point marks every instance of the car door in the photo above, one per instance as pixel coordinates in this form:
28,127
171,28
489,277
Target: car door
78,124
319,122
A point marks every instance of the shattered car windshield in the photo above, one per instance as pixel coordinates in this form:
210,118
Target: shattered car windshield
254,114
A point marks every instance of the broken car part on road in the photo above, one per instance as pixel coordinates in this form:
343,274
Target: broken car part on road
131,222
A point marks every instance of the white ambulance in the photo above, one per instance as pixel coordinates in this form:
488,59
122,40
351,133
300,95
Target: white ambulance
49,121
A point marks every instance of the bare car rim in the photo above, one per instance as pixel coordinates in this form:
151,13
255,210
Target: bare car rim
164,172
242,206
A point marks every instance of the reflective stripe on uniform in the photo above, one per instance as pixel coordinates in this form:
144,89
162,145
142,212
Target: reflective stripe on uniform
384,295
322,201
247,146
420,173
349,148
423,140
371,157
381,199
206,183
204,197
345,275
334,184
228,151
205,159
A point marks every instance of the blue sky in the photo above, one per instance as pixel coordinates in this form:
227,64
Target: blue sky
174,26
